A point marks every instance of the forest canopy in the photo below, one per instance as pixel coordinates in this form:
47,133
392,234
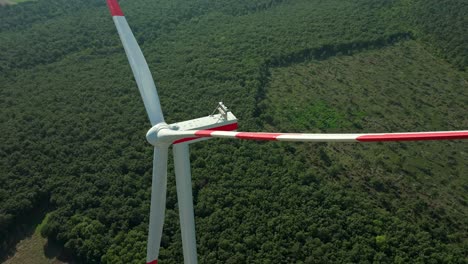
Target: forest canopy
73,125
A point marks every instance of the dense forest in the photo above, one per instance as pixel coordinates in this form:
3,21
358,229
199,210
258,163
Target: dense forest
73,128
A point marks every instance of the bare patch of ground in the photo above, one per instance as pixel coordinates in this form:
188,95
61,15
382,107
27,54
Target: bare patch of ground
6,2
36,249
12,2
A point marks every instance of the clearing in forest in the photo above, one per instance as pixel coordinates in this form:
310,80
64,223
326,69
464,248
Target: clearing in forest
13,2
397,88
34,249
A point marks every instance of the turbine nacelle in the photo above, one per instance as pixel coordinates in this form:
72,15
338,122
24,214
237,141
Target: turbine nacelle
164,134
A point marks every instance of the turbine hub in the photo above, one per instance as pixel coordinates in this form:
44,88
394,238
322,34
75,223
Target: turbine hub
152,134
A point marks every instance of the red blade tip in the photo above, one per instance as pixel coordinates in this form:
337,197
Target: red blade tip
114,8
414,136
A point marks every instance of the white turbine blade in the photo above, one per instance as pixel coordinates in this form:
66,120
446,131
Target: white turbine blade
138,63
180,136
158,203
185,201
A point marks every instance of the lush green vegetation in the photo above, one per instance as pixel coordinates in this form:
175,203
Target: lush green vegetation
73,125
440,24
373,91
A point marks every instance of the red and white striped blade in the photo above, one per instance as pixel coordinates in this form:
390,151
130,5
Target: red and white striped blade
178,136
138,64
150,98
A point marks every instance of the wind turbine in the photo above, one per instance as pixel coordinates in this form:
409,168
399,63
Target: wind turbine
221,125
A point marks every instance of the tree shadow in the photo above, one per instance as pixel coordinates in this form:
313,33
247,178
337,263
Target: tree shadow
24,228
55,250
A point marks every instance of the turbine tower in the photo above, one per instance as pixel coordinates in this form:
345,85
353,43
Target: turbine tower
221,125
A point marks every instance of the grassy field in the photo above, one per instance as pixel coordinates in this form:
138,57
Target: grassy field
34,249
13,2
394,89
6,2
374,90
